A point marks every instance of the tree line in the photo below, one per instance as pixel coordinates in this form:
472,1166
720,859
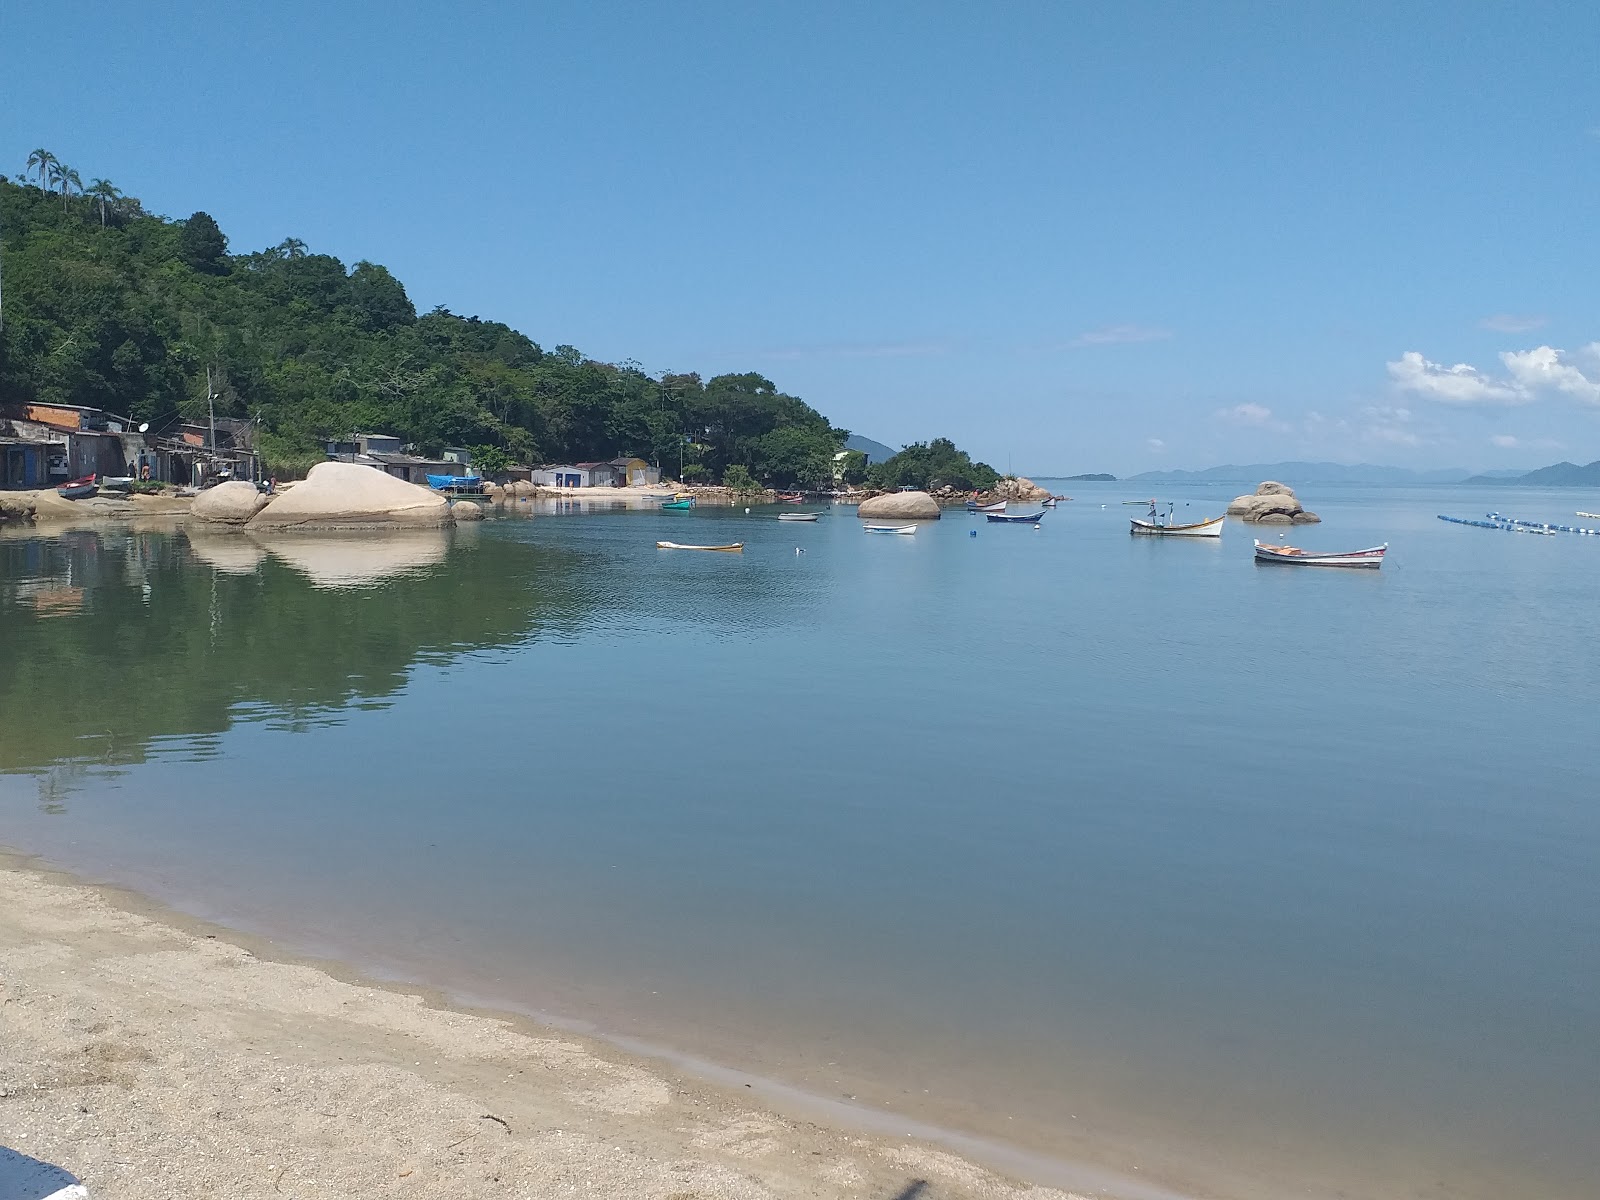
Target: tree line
113,307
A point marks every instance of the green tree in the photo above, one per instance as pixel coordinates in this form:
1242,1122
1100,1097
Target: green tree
202,245
67,179
853,468
931,465
42,161
106,194
738,478
491,461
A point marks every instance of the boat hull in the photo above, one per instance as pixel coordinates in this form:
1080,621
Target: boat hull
797,516
677,505
1016,518
79,489
999,506
1370,559
1204,529
890,528
735,548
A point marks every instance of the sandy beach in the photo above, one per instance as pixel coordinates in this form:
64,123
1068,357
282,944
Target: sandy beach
153,1056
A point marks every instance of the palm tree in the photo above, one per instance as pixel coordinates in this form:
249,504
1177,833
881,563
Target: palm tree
106,193
44,162
292,248
68,179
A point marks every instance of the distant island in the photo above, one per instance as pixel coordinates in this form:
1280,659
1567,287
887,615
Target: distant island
1088,478
1326,472
1561,474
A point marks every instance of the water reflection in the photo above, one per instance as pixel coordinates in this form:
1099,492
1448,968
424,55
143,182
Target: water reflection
119,645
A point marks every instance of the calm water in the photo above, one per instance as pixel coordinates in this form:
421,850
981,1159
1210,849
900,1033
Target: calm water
1264,880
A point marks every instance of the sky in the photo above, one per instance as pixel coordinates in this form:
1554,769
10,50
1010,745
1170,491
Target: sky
1071,237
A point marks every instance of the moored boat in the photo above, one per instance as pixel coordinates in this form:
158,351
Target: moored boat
685,502
732,548
798,516
997,506
890,528
78,489
460,484
1591,516
1016,518
1371,557
1207,529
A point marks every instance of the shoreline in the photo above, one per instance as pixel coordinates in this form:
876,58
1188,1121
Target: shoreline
152,1053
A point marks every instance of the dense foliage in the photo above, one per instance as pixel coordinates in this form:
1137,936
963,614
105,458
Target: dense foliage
109,306
929,465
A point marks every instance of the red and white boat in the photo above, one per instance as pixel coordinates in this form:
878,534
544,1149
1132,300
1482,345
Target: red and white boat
1296,557
79,489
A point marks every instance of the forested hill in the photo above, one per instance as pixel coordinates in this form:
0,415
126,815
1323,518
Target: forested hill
109,306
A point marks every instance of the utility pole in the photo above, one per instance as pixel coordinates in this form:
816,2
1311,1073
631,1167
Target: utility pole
211,408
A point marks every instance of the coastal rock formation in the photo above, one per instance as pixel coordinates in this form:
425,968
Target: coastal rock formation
16,506
466,510
915,505
338,495
1019,489
231,503
495,494
1269,502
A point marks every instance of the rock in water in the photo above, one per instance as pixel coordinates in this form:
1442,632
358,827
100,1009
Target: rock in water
231,503
338,495
466,510
1020,489
1271,499
916,505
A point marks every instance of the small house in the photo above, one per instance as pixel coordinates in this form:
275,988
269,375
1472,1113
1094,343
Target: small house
564,476
635,472
601,474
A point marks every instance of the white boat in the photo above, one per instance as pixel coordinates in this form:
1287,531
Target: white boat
1590,516
798,516
1372,557
1206,529
732,548
890,528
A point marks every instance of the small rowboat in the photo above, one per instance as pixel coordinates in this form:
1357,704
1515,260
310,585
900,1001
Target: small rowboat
890,528
78,489
997,506
798,516
735,548
1294,556
1016,518
462,484
1591,516
686,502
1207,529
791,498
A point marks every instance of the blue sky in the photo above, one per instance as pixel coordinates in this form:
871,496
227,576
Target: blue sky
1072,237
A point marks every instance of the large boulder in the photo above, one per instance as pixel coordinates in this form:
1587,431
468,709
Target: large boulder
917,506
466,510
1018,488
231,503
340,495
17,506
1271,499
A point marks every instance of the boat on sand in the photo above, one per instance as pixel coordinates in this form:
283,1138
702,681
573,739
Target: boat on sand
78,489
1371,557
734,548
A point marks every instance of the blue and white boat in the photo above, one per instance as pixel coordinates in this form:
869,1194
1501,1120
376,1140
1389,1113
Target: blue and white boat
1016,518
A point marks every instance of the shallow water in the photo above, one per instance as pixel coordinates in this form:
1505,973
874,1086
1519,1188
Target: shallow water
1129,851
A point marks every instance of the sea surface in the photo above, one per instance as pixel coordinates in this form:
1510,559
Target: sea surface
1238,880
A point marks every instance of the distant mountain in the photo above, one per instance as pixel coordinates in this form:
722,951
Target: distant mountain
876,452
1562,474
1087,478
1307,472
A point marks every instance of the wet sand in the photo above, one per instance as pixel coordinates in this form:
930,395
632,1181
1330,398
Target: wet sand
155,1056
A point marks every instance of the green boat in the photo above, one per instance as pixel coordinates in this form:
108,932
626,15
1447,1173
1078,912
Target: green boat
688,502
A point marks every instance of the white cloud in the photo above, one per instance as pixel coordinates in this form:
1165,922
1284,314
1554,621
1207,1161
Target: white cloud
1509,441
1545,368
1389,426
1460,384
1120,335
1246,414
1156,445
1511,323
1505,441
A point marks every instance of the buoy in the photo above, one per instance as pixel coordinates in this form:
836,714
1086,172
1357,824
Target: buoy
972,533
747,511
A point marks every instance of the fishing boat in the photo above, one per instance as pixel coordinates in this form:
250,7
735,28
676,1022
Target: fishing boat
78,489
117,483
1016,518
975,507
791,498
458,484
798,516
680,503
890,528
1206,529
1294,556
735,548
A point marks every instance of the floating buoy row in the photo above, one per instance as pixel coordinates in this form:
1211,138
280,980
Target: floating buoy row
1501,525
1545,527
